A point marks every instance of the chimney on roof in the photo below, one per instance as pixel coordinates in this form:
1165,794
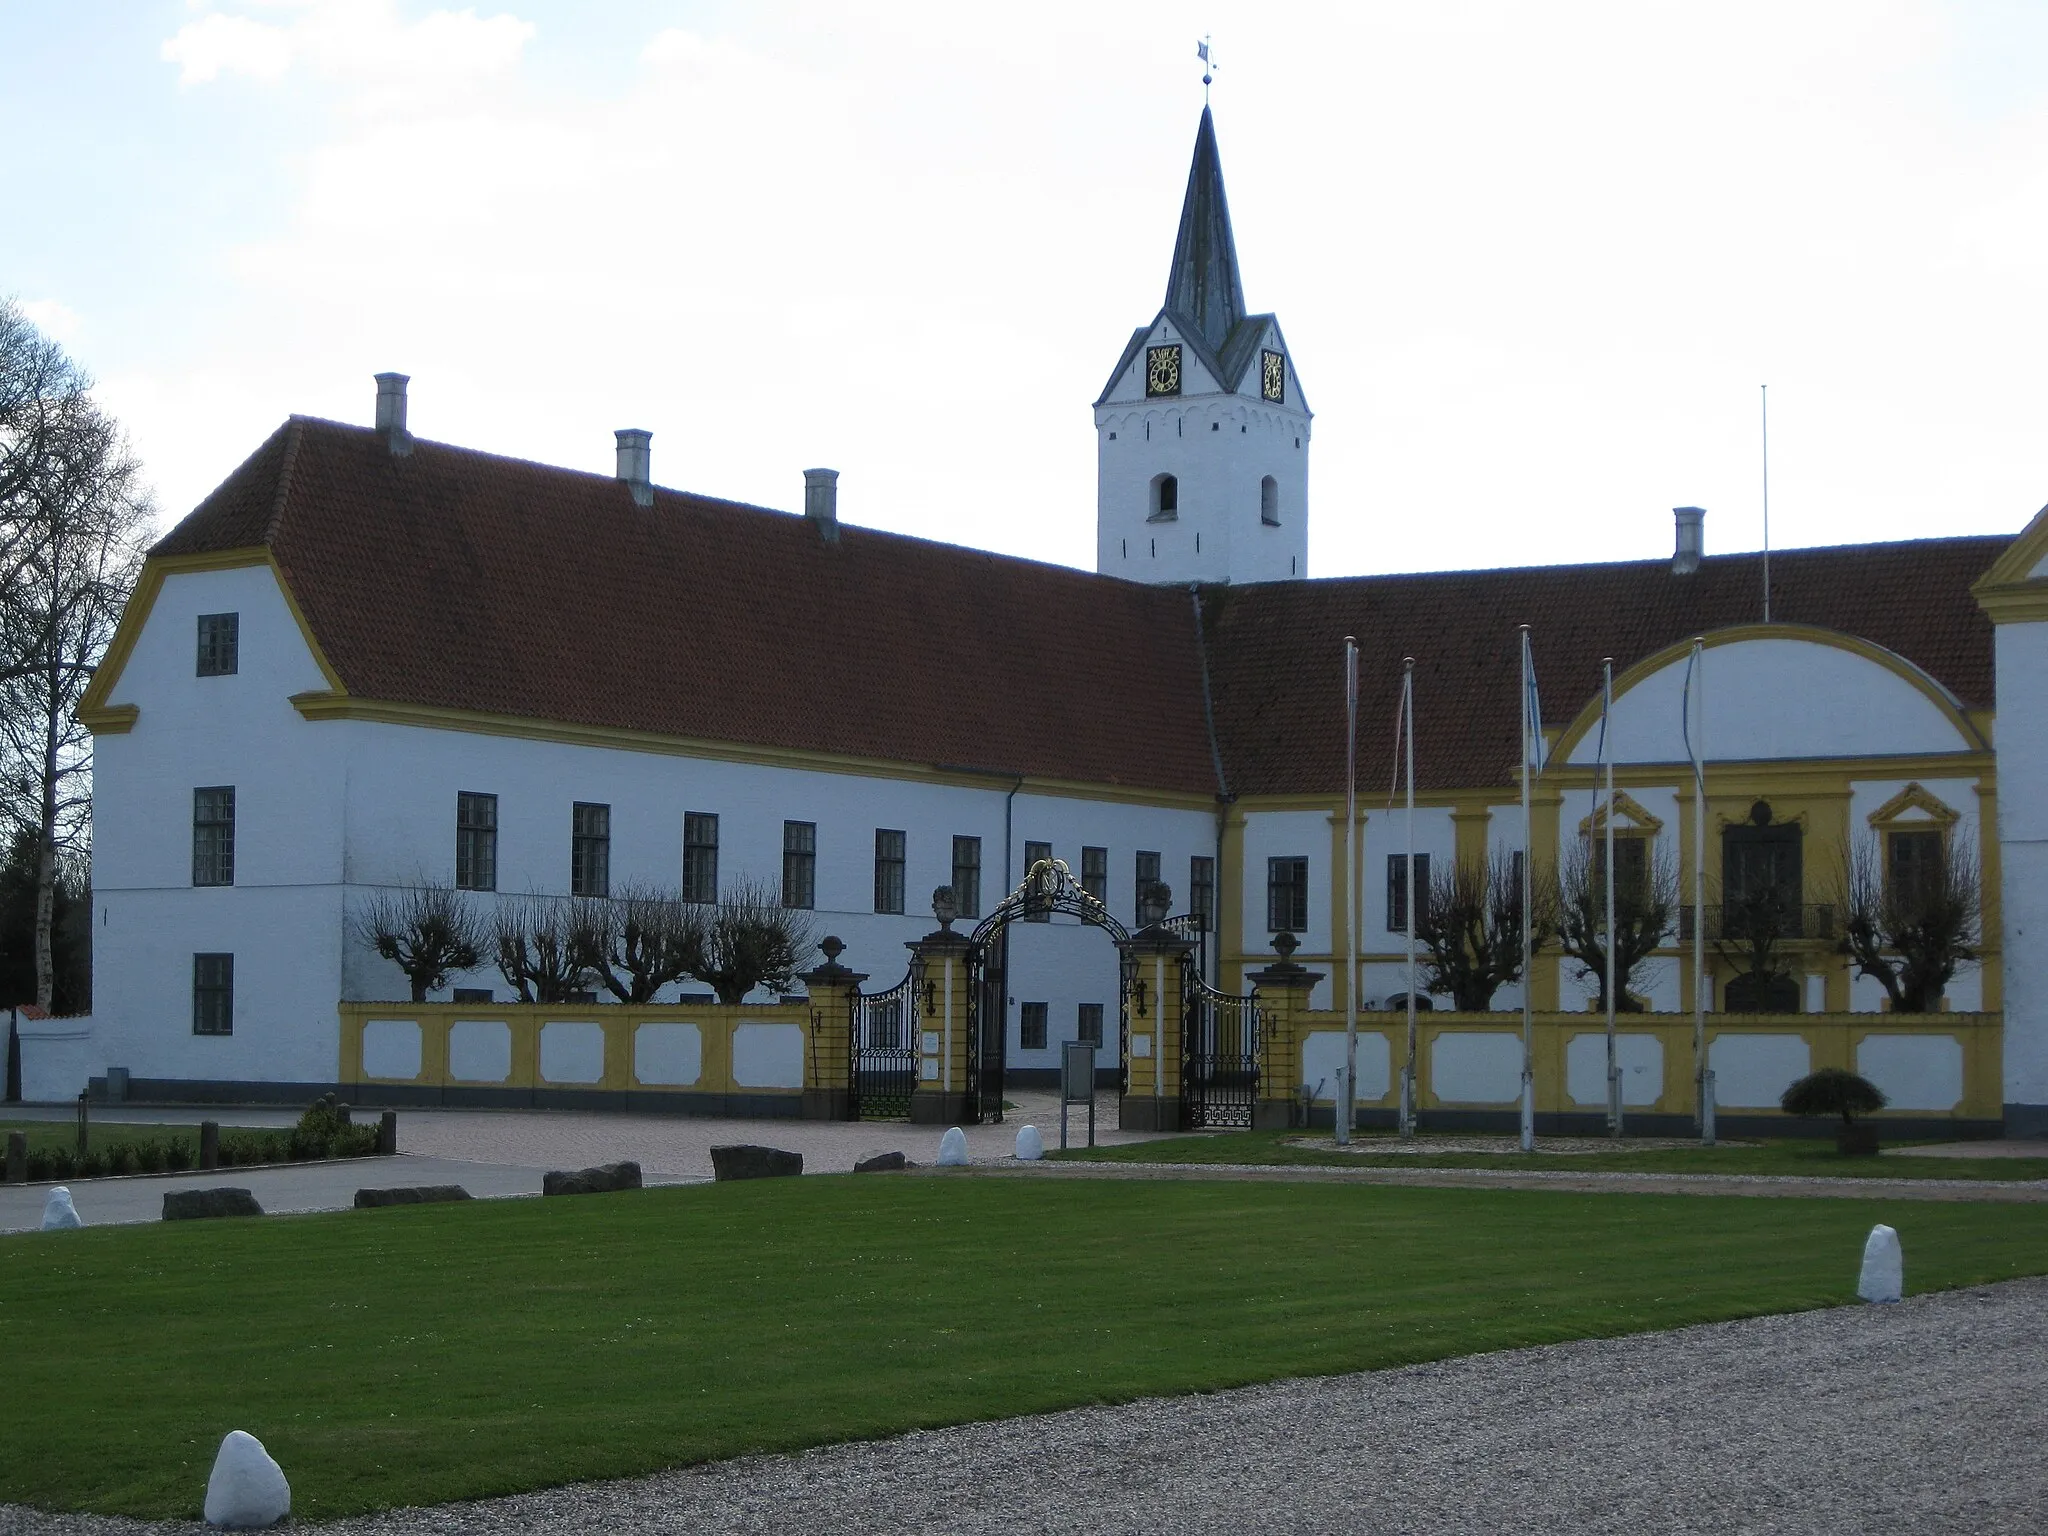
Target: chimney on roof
1685,559
821,502
391,411
636,463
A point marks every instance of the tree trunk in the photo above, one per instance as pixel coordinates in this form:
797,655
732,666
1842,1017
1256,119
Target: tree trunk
46,865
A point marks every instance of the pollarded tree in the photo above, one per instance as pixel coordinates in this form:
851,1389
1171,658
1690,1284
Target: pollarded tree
1914,930
543,947
641,938
752,940
1469,923
426,930
1644,903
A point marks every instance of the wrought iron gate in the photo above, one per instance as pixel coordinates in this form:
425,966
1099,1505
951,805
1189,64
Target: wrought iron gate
988,1017
884,1039
1219,1074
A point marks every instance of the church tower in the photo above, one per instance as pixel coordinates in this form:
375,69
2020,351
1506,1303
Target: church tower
1202,433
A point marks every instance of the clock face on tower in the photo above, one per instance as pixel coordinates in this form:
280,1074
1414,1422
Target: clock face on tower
1273,376
1162,370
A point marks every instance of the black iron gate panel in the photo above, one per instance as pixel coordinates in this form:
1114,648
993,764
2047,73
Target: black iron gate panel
1219,1075
988,1019
883,1072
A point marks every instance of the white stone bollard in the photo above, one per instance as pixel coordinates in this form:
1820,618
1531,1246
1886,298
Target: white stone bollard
58,1211
247,1490
953,1149
1030,1145
1884,1266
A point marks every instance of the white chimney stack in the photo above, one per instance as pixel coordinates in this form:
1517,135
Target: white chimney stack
821,502
1685,558
636,459
391,411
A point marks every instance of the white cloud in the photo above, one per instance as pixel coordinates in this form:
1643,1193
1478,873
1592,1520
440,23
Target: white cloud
218,44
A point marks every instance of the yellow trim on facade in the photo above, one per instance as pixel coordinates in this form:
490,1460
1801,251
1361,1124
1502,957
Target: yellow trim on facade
2015,567
331,706
1913,798
103,718
1640,823
1588,718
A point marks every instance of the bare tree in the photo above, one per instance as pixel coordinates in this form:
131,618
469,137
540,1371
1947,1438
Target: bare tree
426,930
642,938
1912,935
543,947
1643,908
1753,926
1469,922
752,941
73,515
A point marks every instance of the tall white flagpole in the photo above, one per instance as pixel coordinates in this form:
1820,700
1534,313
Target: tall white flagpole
1347,1109
1607,753
1703,1076
1408,1077
1529,727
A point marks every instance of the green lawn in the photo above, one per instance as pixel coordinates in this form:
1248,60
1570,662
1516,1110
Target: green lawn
457,1351
1808,1157
103,1133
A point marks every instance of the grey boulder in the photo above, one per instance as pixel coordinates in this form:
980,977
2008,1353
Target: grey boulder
882,1162
755,1163
409,1194
195,1204
601,1180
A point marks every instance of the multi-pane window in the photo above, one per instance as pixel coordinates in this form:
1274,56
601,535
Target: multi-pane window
590,850
800,864
213,836
1397,888
219,644
1036,854
1031,1026
1202,892
476,842
1090,1020
700,856
967,875
213,994
1631,866
888,870
1095,873
1760,863
1146,876
1287,895
1913,868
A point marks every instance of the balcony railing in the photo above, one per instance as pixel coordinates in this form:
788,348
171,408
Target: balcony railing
1739,924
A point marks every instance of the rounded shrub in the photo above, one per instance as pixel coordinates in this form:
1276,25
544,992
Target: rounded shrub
1832,1091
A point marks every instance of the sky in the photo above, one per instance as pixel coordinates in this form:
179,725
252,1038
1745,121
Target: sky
1533,262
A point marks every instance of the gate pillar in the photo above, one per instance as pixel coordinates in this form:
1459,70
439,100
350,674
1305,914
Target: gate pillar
1154,980
941,1096
828,1086
1282,989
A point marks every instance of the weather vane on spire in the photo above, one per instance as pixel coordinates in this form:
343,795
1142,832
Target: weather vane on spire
1208,67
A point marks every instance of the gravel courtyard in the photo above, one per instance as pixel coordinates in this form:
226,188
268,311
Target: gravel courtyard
1922,1417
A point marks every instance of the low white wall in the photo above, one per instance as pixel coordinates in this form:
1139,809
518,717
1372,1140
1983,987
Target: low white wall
56,1059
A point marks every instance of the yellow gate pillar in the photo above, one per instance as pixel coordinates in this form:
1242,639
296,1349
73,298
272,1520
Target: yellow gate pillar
941,1096
1153,978
828,1065
1282,990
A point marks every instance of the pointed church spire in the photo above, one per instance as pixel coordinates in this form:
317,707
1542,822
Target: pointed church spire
1205,289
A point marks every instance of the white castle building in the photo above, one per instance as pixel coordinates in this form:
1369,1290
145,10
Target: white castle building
370,659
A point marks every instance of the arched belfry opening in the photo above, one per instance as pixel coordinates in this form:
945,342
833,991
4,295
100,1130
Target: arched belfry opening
1165,507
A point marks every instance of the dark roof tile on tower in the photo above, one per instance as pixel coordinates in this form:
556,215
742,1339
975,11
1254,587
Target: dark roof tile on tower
1204,290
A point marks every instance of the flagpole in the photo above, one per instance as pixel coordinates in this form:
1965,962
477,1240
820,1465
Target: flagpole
1607,753
1703,1076
1347,1092
1408,1083
1529,727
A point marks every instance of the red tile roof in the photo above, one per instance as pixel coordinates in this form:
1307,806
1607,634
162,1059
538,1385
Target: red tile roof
1277,648
463,580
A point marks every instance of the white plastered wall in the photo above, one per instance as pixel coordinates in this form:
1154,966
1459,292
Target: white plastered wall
2023,857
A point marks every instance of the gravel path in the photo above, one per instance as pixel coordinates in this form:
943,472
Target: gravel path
1923,1417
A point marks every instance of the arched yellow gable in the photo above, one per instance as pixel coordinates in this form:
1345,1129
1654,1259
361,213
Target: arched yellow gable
1587,722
